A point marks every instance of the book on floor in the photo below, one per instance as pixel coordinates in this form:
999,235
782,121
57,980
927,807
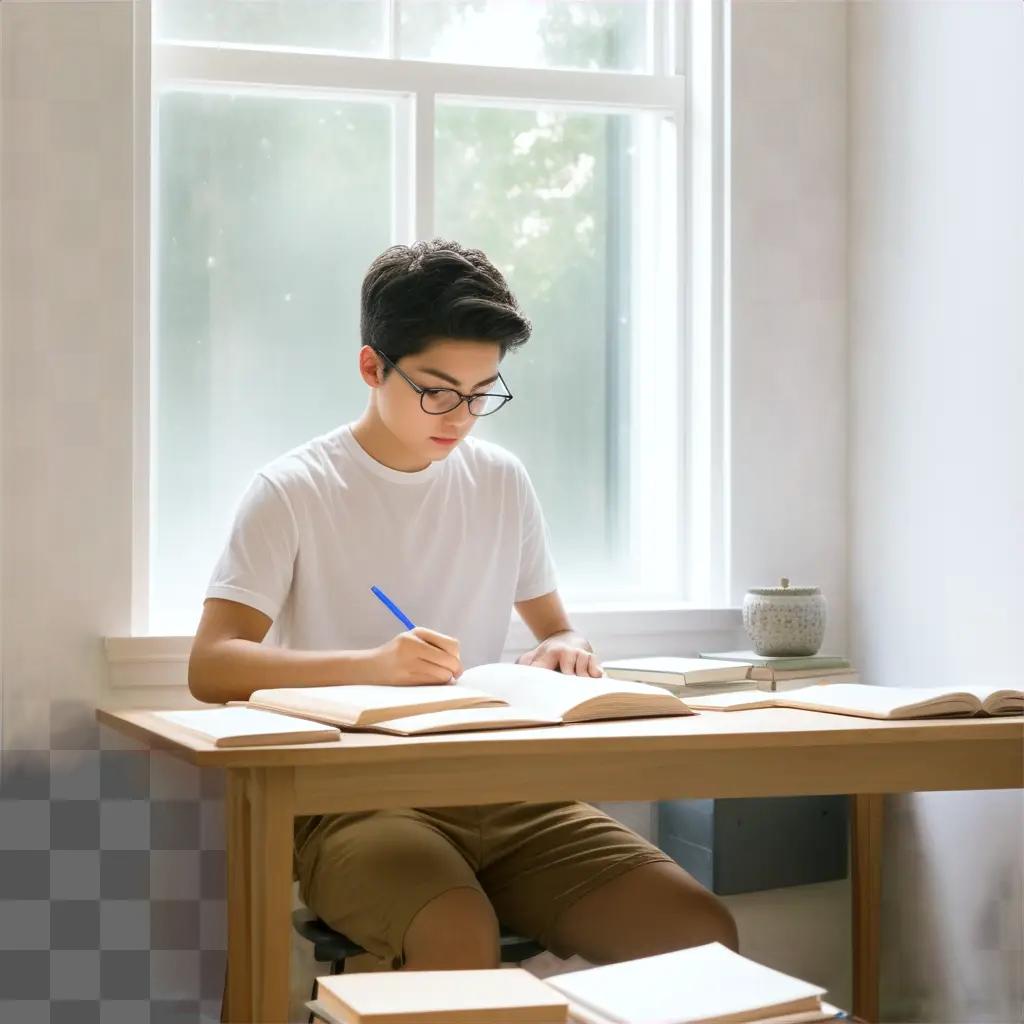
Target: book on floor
707,984
888,702
500,996
249,727
826,1012
675,673
492,696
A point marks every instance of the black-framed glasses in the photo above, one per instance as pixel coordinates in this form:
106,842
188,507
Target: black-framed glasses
438,401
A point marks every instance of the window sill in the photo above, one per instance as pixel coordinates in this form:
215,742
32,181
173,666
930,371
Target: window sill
148,662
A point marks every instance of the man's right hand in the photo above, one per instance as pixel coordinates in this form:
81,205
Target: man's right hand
417,656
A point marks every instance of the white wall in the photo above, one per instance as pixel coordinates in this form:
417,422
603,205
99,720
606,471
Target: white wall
789,299
937,459
789,388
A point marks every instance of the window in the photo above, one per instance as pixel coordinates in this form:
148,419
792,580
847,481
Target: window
292,141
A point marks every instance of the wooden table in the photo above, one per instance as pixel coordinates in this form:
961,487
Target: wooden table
771,752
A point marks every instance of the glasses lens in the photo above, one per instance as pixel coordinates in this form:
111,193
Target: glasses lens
484,405
438,400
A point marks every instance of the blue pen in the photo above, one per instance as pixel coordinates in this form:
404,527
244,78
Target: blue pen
392,607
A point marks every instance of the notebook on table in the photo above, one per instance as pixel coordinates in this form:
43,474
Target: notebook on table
862,701
249,727
492,696
500,996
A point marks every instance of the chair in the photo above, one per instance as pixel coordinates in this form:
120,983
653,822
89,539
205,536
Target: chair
331,947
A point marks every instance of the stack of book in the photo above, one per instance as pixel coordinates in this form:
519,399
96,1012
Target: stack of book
683,676
703,985
730,670
787,673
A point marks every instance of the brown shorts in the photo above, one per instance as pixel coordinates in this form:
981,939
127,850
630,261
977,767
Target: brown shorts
368,874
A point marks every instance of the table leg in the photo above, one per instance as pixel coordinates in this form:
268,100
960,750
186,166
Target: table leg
271,806
237,1005
866,820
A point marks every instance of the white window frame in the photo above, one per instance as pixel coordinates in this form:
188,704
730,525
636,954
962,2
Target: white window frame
692,32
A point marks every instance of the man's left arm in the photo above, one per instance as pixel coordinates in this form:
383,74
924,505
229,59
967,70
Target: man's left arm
560,647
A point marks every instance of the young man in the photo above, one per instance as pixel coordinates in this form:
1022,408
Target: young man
451,529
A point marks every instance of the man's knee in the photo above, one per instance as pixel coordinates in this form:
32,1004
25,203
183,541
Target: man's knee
713,922
692,915
457,930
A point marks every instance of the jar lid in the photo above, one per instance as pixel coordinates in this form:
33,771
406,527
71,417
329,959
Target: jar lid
786,590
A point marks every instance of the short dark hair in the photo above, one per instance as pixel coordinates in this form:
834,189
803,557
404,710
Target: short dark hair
415,294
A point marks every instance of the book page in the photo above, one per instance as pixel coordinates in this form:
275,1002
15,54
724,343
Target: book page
546,691
736,700
364,705
999,700
703,983
463,720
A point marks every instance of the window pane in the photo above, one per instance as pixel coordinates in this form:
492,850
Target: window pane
347,26
270,209
549,196
597,34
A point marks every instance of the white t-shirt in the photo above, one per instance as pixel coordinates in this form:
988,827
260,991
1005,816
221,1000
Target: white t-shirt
453,545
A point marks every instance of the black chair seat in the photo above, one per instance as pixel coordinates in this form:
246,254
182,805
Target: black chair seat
330,946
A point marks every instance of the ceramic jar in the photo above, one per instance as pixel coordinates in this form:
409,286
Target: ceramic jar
784,621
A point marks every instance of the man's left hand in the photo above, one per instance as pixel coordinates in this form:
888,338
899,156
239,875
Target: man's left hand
564,652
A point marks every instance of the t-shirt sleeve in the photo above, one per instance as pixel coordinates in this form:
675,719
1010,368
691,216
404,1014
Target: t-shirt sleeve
537,575
256,565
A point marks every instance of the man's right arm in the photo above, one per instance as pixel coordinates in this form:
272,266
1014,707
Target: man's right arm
228,660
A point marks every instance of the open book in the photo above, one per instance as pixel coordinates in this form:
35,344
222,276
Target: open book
701,985
497,696
874,701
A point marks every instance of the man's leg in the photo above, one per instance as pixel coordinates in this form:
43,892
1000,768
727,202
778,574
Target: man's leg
397,885
454,931
650,909
581,882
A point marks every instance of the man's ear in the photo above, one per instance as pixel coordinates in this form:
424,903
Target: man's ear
370,368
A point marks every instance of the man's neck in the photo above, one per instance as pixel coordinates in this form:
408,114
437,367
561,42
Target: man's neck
380,444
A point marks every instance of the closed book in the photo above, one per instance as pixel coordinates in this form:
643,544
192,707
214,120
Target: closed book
581,1015
796,682
707,984
499,996
771,675
249,727
816,662
662,670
